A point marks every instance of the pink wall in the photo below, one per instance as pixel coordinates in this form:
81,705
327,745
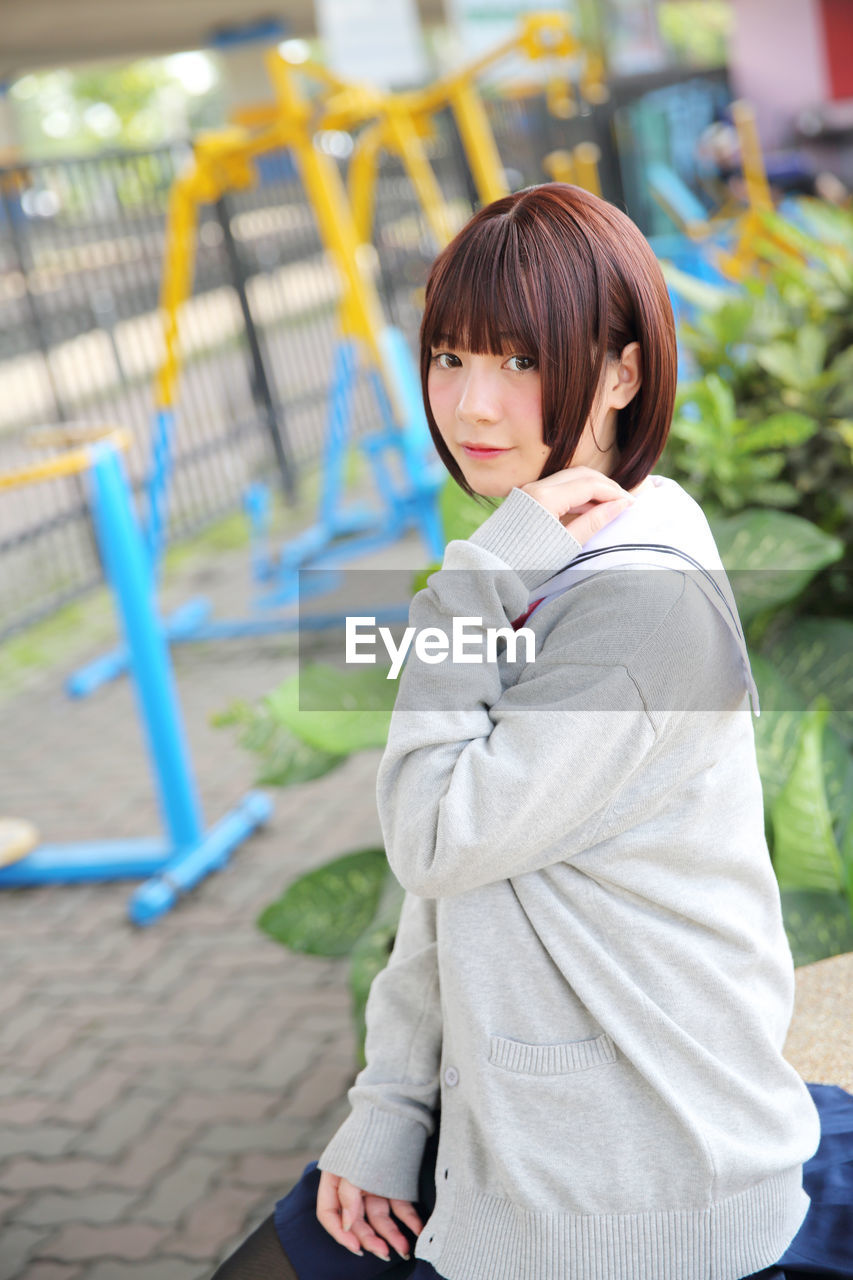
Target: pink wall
778,61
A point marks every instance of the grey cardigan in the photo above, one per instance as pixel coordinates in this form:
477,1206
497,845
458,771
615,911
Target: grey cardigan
590,975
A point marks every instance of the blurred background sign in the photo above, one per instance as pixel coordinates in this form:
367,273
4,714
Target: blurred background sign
634,37
373,40
480,25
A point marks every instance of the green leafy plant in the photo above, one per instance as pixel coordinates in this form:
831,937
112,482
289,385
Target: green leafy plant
765,425
768,420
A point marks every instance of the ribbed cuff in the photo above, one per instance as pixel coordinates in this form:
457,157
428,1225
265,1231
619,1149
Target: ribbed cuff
379,1152
528,538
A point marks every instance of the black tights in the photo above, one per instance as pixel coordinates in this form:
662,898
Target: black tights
259,1257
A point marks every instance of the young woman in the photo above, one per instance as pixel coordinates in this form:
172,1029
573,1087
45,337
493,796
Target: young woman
590,984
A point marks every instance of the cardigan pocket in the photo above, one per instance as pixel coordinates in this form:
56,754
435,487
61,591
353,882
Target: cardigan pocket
551,1059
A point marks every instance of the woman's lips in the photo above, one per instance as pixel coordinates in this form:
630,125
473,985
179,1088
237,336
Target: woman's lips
483,453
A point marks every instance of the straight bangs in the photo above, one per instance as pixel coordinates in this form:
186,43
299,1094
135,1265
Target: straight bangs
477,301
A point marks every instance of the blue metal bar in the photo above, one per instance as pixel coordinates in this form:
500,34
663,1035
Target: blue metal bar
158,484
343,375
130,571
179,625
76,863
211,853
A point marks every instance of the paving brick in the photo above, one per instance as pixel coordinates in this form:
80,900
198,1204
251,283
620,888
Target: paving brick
22,1023
70,1068
191,995
52,1271
285,1063
18,1111
8,1203
194,1108
161,1268
321,1087
80,1242
215,1222
219,1015
280,1134
13,1084
36,1140
70,1175
119,1126
150,1158
257,1033
92,1097
18,1245
51,1210
141,1054
178,1190
279,1172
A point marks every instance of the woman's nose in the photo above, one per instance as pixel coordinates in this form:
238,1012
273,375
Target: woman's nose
479,401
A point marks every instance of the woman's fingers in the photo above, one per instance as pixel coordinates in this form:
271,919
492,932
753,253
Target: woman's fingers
407,1213
582,499
360,1220
582,527
336,1209
378,1213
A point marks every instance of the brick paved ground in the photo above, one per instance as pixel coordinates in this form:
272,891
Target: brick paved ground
161,1087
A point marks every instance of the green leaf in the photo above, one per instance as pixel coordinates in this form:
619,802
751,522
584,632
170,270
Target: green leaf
779,431
780,494
818,925
284,760
815,655
805,853
461,514
722,401
353,709
419,581
776,729
771,556
327,910
796,364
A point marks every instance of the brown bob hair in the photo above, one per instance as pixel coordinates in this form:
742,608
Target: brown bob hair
568,278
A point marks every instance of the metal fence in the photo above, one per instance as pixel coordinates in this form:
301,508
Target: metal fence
81,247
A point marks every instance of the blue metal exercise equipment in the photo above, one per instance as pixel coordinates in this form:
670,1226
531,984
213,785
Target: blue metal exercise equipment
342,531
186,853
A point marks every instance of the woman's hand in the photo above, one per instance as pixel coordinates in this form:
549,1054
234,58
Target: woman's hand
358,1219
583,500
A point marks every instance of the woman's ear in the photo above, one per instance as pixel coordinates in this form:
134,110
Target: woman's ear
626,376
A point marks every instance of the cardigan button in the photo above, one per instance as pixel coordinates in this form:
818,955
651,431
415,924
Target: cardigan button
451,1076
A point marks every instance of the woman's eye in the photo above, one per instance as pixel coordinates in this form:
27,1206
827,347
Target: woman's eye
445,360
522,364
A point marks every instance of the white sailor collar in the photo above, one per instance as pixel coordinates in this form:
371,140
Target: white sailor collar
664,528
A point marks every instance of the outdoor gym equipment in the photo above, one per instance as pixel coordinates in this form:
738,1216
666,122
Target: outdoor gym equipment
723,247
173,863
726,244
225,161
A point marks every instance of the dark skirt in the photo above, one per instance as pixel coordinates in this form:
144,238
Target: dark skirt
822,1248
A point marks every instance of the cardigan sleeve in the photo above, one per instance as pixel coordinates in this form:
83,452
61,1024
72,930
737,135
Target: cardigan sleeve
479,782
380,1145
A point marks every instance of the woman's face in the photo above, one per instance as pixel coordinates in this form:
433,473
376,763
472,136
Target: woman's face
495,402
